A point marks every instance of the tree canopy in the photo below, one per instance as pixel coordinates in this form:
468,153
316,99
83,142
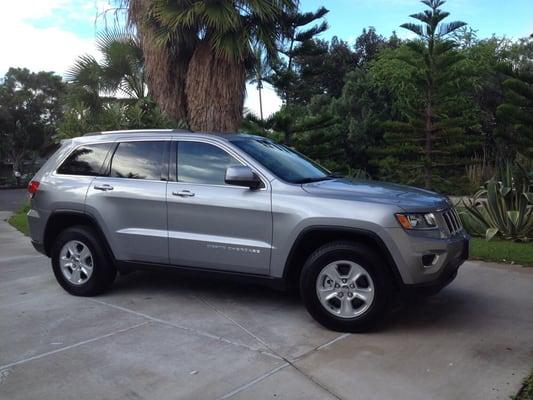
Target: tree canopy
30,107
442,109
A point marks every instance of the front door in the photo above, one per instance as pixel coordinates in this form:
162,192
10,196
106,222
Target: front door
212,224
130,202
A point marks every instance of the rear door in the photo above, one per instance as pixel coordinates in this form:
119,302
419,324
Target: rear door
130,202
212,224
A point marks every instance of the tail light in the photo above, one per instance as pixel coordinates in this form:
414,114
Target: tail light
32,188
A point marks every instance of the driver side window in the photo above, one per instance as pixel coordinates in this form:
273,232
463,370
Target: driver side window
205,163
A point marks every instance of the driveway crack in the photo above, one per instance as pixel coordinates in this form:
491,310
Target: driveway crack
38,356
186,329
287,361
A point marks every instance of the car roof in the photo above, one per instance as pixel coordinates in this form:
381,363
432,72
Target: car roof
146,133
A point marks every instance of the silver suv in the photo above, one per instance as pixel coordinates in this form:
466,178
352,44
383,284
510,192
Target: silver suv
239,206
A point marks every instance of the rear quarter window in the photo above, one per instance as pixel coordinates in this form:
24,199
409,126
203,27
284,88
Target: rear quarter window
85,160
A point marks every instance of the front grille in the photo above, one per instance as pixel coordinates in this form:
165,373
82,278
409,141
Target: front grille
452,220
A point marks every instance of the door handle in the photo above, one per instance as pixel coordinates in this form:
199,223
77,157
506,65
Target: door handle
183,193
104,187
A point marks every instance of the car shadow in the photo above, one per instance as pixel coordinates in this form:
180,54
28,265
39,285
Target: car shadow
170,282
450,306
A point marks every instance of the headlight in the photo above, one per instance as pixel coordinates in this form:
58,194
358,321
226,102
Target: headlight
417,221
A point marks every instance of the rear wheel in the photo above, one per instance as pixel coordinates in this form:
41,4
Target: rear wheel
345,286
80,262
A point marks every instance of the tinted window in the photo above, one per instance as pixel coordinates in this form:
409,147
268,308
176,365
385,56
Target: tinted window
203,163
282,161
138,160
85,160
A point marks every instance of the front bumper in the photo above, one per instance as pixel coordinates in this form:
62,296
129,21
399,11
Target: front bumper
410,249
447,275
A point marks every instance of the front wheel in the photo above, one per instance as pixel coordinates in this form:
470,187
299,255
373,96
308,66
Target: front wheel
345,286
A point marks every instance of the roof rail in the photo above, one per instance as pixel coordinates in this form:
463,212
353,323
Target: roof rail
139,131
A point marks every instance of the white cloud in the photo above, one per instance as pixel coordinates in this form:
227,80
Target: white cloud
27,10
25,45
48,49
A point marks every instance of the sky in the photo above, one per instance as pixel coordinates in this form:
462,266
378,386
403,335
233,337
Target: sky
50,34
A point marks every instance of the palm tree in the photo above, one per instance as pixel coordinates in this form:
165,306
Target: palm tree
197,53
121,71
110,93
259,72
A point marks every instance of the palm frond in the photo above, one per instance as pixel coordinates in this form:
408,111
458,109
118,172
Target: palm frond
85,72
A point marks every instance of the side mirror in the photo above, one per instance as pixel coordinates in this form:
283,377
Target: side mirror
242,175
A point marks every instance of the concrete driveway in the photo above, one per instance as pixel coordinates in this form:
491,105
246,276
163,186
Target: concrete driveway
159,336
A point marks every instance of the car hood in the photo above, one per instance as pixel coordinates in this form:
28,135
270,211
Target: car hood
406,197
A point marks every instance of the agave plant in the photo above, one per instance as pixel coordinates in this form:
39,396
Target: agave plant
504,207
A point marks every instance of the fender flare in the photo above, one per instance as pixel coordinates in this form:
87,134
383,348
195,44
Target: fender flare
369,235
78,214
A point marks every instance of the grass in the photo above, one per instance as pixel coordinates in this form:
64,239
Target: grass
502,251
20,221
526,393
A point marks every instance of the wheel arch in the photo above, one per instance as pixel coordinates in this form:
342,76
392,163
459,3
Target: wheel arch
313,237
63,219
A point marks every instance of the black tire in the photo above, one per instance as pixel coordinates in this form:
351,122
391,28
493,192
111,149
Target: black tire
104,272
367,258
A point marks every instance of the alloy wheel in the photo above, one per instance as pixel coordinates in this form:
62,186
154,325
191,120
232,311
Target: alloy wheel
345,289
76,262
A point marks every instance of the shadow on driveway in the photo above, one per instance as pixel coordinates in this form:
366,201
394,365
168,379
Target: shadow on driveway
407,313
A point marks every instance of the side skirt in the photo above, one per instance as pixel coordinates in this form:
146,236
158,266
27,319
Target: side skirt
125,267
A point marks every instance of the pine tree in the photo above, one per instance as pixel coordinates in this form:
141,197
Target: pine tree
293,42
516,114
428,139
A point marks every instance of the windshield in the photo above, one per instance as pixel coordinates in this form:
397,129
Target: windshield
285,163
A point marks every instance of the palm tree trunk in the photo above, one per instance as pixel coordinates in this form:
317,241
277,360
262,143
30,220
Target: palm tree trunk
215,90
165,78
165,69
259,88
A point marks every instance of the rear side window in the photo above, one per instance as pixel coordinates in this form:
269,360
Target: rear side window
85,160
203,163
138,160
